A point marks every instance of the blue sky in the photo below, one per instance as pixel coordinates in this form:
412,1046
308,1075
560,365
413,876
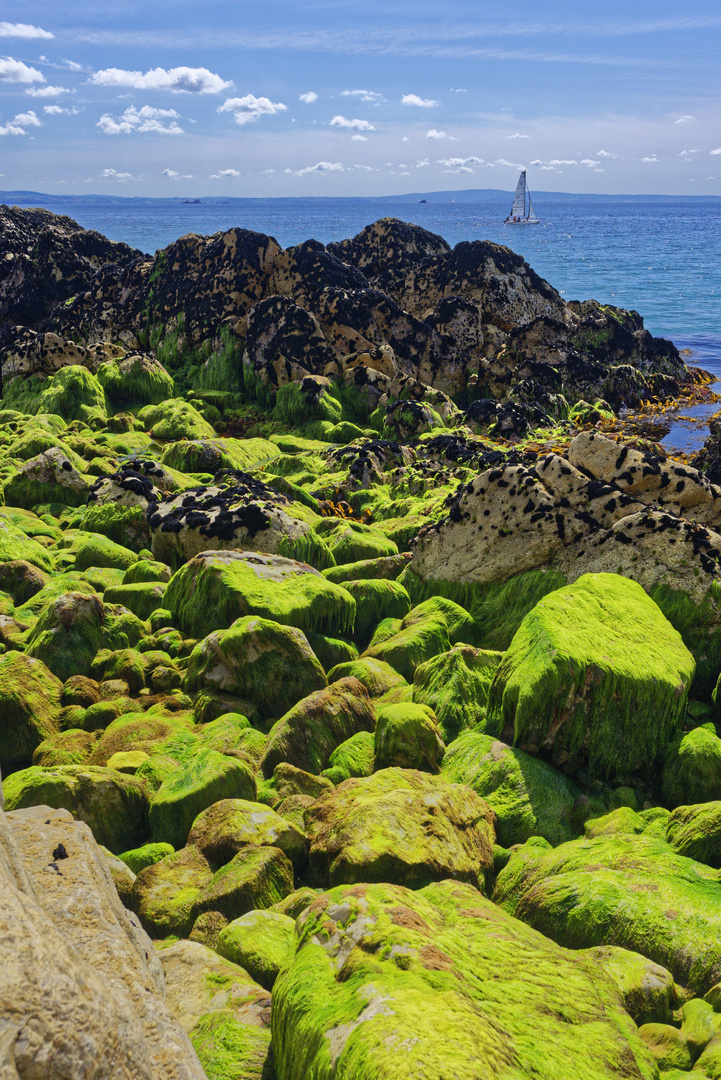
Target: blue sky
371,98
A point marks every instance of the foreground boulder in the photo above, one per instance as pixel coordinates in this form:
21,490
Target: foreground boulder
403,826
440,983
29,708
82,993
623,886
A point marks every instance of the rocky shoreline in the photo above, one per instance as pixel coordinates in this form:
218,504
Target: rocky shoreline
358,668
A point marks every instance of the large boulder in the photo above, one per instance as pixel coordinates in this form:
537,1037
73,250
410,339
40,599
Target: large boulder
266,667
403,826
595,676
82,992
218,587
49,477
220,831
309,732
29,708
623,886
442,983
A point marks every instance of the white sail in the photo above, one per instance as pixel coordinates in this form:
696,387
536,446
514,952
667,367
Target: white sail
518,210
531,211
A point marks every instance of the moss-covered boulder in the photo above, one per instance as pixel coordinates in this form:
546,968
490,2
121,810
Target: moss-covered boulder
29,708
692,768
140,731
50,477
624,888
229,825
428,629
175,419
256,877
94,549
260,942
216,588
455,685
310,731
264,665
403,826
71,747
231,1050
376,600
695,831
164,893
352,542
647,990
136,380
375,964
16,546
115,806
142,597
377,676
146,855
595,676
528,796
204,778
407,736
354,757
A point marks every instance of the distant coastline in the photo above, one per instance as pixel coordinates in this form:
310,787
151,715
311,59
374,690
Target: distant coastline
469,195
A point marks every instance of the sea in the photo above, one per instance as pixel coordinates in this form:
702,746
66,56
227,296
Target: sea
660,258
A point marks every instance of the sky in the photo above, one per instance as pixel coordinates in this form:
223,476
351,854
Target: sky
383,97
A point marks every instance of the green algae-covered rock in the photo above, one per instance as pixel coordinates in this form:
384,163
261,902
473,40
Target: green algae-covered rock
71,747
455,685
48,478
147,855
29,708
115,806
351,542
528,796
93,549
427,630
200,781
256,877
260,942
124,525
647,990
136,731
229,825
73,393
695,831
377,676
596,676
403,826
692,768
354,757
288,781
441,983
231,1050
164,893
146,570
218,587
198,982
389,566
376,600
621,889
310,731
73,628
135,379
331,651
142,597
175,419
266,666
231,734
407,736
16,546
667,1045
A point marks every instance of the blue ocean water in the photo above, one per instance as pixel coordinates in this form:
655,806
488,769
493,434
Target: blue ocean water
660,259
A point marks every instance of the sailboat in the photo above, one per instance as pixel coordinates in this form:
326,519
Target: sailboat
518,214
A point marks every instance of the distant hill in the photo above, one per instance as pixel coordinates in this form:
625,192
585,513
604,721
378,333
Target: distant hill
469,195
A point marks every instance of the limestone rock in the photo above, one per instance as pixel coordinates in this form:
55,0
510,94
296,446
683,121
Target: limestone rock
199,982
82,992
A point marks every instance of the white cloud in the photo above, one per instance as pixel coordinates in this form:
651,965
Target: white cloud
460,169
434,133
248,109
590,163
516,136
515,165
171,174
15,71
364,168
603,153
687,153
320,167
224,174
459,90
358,138
714,152
48,91
684,119
423,103
363,95
56,110
28,119
11,129
309,97
461,163
353,125
121,177
650,160
23,30
145,119
423,163
179,80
